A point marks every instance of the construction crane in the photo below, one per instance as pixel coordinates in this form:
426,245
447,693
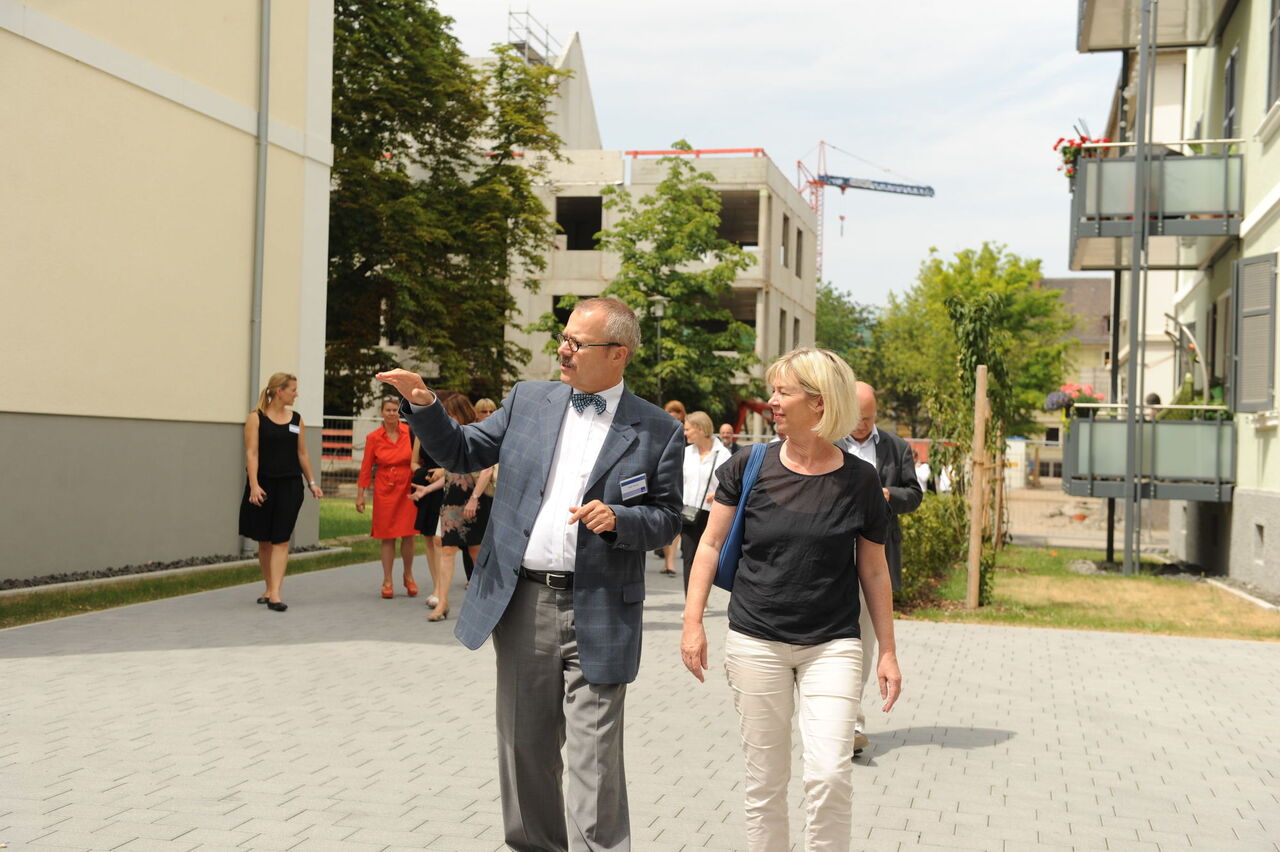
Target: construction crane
811,185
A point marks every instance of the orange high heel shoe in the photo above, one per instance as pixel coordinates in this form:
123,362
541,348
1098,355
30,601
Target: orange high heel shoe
388,591
411,588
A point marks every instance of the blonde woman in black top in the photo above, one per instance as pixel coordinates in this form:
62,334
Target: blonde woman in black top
275,455
815,526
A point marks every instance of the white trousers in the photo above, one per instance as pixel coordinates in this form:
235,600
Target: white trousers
765,678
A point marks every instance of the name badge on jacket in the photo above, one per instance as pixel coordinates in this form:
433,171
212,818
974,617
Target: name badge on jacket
295,428
634,486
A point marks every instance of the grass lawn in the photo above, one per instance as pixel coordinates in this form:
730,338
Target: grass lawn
338,517
44,604
1033,588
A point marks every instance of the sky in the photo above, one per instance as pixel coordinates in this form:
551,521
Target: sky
965,97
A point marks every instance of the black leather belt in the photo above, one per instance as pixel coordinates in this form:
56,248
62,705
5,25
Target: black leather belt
561,582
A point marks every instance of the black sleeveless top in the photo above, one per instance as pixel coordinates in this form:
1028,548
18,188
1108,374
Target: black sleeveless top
278,447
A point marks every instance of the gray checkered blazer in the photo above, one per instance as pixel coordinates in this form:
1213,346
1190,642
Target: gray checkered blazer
608,591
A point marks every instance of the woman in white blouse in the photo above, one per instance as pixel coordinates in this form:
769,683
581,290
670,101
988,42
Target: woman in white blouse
701,458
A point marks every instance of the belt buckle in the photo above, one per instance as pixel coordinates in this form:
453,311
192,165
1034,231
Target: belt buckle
551,580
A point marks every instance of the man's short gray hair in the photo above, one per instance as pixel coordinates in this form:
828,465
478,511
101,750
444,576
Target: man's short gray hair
621,324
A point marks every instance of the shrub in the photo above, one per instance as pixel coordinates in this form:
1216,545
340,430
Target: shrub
934,538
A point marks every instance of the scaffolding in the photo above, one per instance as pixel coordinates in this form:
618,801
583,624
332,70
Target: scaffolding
531,38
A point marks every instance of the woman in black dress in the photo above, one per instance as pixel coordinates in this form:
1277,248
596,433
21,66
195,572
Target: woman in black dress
462,518
275,453
429,513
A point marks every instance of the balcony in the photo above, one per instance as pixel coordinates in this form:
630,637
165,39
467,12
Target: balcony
1194,206
1181,459
1114,24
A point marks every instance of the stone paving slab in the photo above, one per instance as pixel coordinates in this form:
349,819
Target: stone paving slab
350,723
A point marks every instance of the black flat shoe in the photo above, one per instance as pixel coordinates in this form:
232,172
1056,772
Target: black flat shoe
263,599
277,606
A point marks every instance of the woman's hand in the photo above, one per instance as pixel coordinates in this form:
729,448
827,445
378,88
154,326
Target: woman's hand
360,504
435,473
256,495
890,678
316,491
417,492
470,509
693,650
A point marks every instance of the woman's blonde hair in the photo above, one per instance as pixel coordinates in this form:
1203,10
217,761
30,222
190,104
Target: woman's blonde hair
274,384
485,404
700,420
822,373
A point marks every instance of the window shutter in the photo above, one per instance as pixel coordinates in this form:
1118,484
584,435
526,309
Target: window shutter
1253,388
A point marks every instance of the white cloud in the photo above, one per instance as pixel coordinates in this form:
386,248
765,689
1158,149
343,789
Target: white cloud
968,97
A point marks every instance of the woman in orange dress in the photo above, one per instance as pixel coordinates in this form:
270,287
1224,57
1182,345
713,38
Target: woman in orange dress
390,449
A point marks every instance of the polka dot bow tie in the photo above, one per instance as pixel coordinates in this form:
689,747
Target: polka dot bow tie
582,400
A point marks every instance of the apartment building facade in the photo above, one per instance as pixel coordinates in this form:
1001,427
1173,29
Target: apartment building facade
137,211
1214,201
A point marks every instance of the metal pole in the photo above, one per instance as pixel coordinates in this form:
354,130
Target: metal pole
1115,396
260,202
1141,158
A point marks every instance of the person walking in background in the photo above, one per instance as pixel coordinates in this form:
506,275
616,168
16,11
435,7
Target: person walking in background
894,462
463,518
675,408
815,524
484,407
276,460
590,481
729,439
703,455
389,448
428,517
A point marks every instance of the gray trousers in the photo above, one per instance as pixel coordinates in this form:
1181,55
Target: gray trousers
544,703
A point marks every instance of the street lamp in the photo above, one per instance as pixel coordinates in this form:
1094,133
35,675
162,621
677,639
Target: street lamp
659,310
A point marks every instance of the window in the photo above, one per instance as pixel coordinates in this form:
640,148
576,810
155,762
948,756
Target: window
1229,95
1254,296
795,332
1053,434
799,252
740,218
580,219
782,332
1106,357
786,240
1273,62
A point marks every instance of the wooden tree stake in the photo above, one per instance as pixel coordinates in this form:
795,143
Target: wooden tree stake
978,487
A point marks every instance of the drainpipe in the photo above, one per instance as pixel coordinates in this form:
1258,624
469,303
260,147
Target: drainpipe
260,204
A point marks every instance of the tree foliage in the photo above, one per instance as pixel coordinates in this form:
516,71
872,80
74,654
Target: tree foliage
432,208
669,249
847,328
982,307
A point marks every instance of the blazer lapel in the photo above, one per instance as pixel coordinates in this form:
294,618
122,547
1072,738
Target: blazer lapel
621,435
884,459
550,421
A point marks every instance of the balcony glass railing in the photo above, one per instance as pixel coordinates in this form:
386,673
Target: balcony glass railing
1180,459
1194,204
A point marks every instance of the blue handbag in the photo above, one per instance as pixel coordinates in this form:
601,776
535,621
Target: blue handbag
731,550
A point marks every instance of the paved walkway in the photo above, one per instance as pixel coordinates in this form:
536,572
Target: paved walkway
349,723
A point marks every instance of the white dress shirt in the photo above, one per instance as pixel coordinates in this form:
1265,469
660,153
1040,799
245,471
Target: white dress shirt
700,473
865,450
553,541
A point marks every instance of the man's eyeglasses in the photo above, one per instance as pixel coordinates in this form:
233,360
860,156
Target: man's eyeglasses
575,345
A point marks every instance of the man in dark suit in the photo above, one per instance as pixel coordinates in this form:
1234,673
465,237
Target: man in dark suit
893,460
590,481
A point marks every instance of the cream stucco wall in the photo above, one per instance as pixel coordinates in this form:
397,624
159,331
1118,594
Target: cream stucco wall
127,242
129,217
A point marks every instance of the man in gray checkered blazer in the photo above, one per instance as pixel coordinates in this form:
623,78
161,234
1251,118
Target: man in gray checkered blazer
590,481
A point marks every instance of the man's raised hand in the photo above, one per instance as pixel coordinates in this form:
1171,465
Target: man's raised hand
408,385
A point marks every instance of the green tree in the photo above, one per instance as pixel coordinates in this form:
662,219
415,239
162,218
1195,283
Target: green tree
669,249
848,328
432,210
